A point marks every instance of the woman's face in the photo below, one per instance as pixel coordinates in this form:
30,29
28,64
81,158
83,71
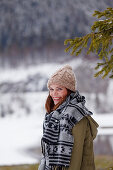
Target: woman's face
57,93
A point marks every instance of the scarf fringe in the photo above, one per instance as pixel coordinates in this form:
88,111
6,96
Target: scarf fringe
59,168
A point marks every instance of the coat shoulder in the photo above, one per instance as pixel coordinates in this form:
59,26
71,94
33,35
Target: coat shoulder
87,123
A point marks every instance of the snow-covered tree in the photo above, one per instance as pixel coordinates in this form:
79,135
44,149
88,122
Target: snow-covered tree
35,22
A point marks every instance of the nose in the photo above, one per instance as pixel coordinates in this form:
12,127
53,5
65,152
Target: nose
55,93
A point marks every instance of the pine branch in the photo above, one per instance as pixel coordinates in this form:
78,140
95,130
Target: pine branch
100,42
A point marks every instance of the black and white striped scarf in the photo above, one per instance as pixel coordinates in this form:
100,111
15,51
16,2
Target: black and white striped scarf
57,141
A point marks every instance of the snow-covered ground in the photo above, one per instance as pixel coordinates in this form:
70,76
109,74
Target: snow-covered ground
105,122
18,135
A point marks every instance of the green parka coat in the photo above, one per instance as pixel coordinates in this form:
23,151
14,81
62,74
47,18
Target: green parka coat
82,154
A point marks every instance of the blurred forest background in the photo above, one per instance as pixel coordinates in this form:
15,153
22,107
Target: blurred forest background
32,34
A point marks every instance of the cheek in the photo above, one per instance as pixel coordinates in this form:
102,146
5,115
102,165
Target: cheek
64,94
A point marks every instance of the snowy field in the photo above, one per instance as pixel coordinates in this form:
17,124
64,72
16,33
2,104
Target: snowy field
105,122
18,135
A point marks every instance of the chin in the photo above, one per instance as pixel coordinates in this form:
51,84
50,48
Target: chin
56,103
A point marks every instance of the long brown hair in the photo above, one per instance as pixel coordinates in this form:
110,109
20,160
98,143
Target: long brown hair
49,105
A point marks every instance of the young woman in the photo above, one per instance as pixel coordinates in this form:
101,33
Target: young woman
68,128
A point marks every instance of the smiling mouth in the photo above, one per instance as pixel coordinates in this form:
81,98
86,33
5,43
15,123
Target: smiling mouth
56,98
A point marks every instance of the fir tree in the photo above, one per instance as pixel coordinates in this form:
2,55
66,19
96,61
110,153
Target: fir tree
99,41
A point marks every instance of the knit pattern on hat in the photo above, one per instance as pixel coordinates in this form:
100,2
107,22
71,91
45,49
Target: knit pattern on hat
64,77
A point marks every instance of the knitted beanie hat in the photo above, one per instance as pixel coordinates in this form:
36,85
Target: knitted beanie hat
64,77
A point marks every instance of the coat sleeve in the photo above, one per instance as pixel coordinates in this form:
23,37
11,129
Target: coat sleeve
81,133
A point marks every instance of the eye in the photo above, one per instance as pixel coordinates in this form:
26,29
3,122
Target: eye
59,89
50,89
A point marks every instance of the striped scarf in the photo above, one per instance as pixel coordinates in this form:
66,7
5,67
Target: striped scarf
57,141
